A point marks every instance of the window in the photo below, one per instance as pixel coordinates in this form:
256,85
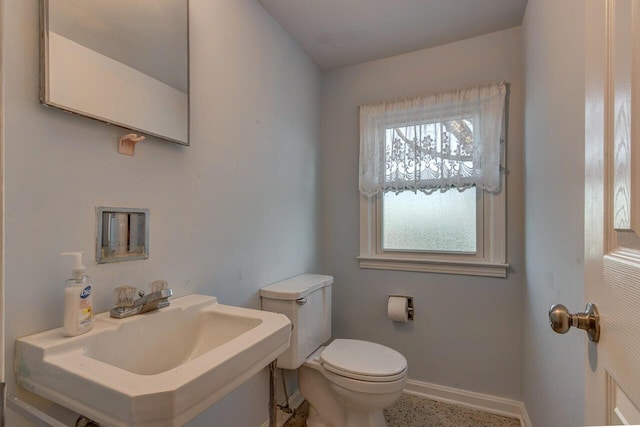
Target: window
438,222
432,199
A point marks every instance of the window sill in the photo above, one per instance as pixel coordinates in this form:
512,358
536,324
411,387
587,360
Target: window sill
467,268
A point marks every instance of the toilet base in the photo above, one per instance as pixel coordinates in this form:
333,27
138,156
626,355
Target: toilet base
333,405
315,388
369,419
354,418
362,409
314,419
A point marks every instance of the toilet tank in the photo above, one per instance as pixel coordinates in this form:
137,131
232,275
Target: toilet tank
306,301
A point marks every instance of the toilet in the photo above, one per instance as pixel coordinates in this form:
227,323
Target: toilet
346,382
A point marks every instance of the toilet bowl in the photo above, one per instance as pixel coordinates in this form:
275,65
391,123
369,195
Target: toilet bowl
347,382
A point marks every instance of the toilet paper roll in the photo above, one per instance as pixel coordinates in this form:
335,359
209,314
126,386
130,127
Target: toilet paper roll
397,309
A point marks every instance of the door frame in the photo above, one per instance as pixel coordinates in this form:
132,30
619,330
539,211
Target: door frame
597,129
2,192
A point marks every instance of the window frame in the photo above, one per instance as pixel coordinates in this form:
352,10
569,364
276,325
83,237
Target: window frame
479,253
489,259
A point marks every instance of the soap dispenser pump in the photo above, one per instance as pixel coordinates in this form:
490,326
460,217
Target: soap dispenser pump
78,304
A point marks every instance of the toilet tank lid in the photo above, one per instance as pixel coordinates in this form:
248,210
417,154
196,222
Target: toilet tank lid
296,287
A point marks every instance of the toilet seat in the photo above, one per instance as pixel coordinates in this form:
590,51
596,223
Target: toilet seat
365,378
366,387
363,361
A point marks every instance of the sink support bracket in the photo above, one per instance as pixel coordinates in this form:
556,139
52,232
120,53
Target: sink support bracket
272,395
3,402
29,413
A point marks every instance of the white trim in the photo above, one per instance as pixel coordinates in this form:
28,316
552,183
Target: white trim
490,261
524,419
478,255
469,399
2,203
487,269
295,400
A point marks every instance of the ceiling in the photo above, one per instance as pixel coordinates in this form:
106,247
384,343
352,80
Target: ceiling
337,33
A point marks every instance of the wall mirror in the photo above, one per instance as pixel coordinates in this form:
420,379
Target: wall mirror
119,61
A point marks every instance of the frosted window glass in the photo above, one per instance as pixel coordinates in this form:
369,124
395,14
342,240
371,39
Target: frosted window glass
442,222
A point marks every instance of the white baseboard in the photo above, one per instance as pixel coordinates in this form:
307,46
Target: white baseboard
526,422
295,400
470,399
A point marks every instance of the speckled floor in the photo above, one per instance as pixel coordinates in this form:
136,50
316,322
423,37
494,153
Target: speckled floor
411,411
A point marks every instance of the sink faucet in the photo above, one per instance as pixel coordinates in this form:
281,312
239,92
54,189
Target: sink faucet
126,306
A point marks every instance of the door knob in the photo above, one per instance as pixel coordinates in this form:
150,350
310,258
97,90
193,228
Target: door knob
561,320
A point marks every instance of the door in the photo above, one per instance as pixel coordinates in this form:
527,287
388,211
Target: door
2,382
612,209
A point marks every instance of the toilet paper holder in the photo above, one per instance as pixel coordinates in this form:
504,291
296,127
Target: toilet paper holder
409,304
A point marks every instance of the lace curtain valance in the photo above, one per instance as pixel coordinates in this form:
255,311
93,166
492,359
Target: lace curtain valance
447,140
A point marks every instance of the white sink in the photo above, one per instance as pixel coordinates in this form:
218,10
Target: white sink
156,369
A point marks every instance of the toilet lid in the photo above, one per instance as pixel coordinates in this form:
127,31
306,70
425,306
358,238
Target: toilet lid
363,360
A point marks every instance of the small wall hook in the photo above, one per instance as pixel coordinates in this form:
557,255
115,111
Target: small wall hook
127,143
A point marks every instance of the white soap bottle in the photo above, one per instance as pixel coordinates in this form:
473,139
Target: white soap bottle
78,304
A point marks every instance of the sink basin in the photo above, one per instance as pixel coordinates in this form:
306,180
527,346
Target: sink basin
157,369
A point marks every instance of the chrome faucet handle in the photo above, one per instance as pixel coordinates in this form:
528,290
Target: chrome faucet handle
124,296
159,285
127,306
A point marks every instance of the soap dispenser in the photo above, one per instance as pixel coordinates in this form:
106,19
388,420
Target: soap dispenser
78,307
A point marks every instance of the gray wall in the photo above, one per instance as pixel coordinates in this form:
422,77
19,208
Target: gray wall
553,34
240,208
235,211
467,331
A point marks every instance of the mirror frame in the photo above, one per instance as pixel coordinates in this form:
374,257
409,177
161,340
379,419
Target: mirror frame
44,78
